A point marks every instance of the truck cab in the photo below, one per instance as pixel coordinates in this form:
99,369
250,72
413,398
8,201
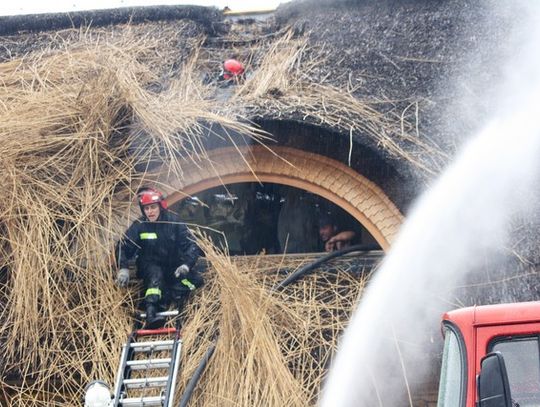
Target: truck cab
507,335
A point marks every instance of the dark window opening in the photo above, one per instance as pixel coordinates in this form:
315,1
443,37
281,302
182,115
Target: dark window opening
267,218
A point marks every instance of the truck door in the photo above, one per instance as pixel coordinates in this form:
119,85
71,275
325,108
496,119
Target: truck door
521,352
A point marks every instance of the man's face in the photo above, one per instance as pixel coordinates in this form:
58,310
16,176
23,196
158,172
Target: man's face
152,212
326,232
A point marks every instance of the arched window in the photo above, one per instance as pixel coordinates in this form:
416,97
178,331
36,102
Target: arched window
270,218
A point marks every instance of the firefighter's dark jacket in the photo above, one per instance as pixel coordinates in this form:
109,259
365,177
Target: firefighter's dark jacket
166,242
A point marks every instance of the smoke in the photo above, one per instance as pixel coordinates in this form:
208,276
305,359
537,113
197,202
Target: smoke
464,217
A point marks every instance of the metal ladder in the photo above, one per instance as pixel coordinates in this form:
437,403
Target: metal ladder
154,363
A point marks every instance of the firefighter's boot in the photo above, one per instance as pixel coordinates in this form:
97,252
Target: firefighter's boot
153,320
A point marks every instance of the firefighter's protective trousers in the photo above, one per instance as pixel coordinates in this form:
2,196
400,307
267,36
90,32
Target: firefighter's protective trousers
162,287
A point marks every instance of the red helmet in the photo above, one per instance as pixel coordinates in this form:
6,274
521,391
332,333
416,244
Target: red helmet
150,196
232,68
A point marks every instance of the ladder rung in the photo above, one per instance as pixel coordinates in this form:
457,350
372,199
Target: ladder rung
143,401
158,331
162,314
149,364
152,346
146,382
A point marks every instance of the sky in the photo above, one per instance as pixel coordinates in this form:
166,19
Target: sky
40,6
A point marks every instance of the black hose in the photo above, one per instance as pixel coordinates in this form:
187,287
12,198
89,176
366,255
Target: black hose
311,266
196,376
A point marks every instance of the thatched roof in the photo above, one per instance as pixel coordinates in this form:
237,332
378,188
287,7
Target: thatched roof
126,95
27,33
206,17
421,54
413,58
398,49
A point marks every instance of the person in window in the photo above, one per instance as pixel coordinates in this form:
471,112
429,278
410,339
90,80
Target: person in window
297,222
166,253
331,237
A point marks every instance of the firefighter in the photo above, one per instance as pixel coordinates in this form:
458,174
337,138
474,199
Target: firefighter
166,253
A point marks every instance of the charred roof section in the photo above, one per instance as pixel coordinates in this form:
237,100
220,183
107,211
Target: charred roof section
424,53
396,180
208,17
411,60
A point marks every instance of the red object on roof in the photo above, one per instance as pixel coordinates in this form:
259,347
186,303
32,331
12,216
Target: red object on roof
231,68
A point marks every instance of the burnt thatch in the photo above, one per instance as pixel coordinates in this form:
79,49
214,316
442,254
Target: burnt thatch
438,62
206,17
423,55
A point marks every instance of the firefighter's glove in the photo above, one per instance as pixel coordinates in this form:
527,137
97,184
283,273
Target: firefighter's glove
182,271
122,278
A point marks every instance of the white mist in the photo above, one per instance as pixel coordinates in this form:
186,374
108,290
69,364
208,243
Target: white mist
462,217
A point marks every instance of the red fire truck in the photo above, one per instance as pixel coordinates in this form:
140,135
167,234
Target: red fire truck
491,356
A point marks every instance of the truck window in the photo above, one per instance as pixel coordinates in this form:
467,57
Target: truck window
522,360
453,376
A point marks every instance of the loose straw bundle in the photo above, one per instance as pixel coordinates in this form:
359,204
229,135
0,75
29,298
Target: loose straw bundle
80,126
272,348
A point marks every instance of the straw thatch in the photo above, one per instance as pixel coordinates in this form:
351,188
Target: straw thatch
84,123
272,348
78,123
289,79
